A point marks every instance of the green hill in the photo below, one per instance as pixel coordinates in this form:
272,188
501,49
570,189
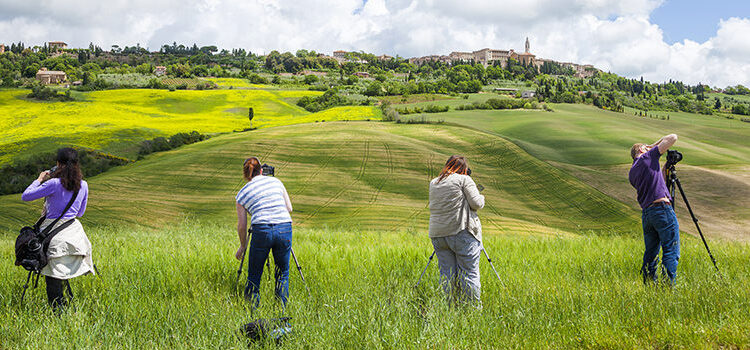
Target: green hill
594,146
370,176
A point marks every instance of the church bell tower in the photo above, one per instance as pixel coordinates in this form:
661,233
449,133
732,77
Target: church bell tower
528,46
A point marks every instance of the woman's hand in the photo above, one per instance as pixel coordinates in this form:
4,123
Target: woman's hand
43,176
239,253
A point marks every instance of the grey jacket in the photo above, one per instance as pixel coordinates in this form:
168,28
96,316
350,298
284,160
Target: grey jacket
453,206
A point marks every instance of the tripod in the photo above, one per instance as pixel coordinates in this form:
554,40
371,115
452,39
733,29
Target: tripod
433,255
268,263
674,181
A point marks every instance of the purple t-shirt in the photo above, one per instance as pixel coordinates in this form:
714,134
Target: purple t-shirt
645,175
58,197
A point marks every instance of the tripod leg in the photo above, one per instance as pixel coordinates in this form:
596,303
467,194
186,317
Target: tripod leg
491,264
695,220
26,286
299,269
425,269
242,261
70,291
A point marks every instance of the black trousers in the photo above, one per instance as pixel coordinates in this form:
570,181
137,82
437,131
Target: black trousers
56,292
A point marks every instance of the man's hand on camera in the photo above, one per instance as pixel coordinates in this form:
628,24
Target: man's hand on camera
43,176
239,253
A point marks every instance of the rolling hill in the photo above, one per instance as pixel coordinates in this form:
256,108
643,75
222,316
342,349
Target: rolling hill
369,176
115,121
593,145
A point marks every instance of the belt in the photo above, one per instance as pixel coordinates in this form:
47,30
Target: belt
661,204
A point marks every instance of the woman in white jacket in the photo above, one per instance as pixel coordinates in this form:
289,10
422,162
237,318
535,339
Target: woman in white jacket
455,230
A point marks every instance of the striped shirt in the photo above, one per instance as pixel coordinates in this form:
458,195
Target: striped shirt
266,199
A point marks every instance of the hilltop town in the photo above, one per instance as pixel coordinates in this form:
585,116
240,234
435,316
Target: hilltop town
489,57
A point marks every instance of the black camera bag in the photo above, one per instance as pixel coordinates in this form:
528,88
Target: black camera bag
32,244
262,328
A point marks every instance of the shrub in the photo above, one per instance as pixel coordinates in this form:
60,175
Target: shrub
329,99
389,113
17,176
46,93
160,144
257,79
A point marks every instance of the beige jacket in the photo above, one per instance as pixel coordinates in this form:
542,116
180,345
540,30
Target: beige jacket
453,206
69,252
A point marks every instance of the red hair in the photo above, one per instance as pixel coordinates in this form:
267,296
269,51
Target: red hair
454,165
251,168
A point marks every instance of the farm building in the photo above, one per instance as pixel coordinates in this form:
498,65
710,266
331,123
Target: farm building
528,94
57,45
50,76
160,70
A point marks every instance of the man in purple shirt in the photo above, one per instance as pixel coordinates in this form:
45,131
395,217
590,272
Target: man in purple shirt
660,227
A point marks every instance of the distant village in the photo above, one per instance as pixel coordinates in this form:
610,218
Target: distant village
489,57
485,56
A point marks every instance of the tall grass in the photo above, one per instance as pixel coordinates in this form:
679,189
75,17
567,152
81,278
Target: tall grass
174,288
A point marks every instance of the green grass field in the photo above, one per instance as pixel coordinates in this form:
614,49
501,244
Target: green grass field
175,288
116,120
560,224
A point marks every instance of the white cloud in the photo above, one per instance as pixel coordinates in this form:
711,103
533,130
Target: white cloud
614,35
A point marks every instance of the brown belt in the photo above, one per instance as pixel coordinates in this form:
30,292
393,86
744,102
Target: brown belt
664,204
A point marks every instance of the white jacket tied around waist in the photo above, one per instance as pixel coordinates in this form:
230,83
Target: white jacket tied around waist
69,252
454,202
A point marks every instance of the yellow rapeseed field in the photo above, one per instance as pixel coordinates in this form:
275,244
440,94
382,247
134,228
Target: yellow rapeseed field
114,120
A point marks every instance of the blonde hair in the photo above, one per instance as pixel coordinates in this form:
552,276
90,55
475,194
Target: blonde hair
636,150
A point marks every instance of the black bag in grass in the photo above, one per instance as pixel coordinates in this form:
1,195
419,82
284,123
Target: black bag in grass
275,328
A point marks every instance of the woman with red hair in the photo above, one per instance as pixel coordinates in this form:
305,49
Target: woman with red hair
455,229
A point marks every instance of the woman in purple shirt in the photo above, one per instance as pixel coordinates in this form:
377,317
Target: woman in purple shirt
69,251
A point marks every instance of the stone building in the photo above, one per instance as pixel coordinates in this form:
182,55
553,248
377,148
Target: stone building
489,56
50,76
2,48
339,55
461,56
57,45
160,70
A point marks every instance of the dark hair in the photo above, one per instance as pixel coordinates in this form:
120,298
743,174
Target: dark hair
454,165
251,168
69,169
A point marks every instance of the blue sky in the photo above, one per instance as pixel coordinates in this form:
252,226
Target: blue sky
696,20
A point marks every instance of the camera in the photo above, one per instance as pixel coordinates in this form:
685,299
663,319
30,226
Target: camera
673,157
267,170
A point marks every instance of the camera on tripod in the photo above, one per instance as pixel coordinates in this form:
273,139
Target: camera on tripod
267,170
673,157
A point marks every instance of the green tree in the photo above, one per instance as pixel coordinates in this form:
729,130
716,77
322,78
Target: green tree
310,79
740,109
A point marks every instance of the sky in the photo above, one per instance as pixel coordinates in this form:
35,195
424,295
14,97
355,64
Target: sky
687,40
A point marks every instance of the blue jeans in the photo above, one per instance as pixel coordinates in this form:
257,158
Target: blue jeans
660,230
278,239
